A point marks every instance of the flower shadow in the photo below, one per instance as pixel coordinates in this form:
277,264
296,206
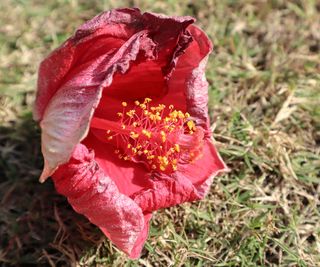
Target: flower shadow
37,226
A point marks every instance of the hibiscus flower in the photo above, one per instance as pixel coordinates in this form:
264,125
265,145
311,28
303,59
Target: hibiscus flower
122,107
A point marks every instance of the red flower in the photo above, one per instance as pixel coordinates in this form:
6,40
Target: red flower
122,106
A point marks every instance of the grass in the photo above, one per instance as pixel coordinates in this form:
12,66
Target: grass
265,104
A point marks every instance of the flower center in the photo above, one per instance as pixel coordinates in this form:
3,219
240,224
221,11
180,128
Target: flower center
157,136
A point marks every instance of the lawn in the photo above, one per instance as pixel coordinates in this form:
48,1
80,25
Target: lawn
264,77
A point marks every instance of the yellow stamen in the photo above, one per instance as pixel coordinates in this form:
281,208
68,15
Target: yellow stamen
177,148
191,125
130,113
134,135
148,133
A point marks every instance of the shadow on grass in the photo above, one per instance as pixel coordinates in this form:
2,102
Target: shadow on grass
37,226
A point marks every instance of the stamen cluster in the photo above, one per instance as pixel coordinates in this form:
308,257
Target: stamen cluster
150,134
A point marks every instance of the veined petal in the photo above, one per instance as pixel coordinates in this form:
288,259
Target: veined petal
113,27
66,119
166,191
92,193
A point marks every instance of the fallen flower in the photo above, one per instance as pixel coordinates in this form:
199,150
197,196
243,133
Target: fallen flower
122,107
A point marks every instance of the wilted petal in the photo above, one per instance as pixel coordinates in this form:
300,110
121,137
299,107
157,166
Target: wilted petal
104,33
66,119
138,245
166,191
92,193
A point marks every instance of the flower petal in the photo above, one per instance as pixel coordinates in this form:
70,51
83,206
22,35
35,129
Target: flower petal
214,165
166,191
66,119
92,193
129,177
191,182
171,37
138,245
114,27
102,34
189,78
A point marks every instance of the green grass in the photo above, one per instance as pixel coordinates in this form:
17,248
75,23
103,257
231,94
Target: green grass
265,105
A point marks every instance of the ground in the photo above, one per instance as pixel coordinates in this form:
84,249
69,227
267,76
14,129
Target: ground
265,109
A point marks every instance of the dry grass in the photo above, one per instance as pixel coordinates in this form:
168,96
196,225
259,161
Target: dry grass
265,103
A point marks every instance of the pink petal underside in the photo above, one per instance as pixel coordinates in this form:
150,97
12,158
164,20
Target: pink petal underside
92,193
66,119
191,182
138,245
112,27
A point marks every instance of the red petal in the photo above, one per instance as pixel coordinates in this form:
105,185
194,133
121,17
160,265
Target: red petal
138,245
92,193
143,80
189,183
149,78
71,78
129,177
189,79
171,37
66,118
202,171
112,26
104,34
165,191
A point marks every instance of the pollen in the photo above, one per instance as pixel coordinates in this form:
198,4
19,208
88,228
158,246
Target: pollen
163,136
134,135
177,148
130,113
146,133
150,134
191,126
